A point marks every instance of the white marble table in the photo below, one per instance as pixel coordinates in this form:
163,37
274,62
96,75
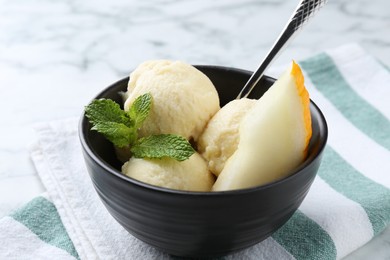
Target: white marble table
55,55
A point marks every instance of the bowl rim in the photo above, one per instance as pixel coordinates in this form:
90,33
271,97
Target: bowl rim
110,169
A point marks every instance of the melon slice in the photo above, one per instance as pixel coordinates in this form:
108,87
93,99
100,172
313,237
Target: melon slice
274,135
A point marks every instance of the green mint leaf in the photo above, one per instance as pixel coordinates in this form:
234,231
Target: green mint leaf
140,109
117,133
164,145
109,119
121,127
106,110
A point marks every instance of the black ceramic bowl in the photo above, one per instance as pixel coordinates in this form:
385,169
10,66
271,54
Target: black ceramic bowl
200,223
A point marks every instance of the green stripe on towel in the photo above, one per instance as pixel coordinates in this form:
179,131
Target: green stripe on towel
373,197
305,239
41,217
326,78
383,64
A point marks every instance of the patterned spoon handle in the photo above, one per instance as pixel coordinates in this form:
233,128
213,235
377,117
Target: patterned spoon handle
304,11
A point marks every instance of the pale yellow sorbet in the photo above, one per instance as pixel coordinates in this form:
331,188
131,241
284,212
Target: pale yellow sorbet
221,136
184,99
190,175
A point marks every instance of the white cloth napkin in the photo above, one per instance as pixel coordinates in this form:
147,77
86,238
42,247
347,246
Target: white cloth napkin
348,203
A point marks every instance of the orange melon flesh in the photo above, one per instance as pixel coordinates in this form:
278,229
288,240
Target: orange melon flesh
296,72
274,135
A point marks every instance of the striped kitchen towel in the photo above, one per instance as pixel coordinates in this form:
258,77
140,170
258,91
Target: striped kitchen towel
348,203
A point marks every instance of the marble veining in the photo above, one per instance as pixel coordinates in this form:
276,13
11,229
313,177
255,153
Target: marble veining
55,55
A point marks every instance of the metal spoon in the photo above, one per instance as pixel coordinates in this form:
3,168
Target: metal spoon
304,11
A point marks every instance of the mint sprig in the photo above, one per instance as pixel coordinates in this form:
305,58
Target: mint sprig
158,146
106,110
121,128
140,109
109,119
118,134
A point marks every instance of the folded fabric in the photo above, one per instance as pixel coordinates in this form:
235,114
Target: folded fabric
348,203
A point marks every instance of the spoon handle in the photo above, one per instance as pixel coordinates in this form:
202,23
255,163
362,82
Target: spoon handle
304,11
